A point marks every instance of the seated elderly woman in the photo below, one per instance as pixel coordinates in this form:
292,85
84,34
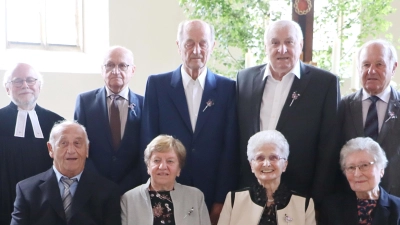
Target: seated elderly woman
269,201
161,200
363,163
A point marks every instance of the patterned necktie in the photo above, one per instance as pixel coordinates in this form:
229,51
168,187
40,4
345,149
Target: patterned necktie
67,197
371,128
115,122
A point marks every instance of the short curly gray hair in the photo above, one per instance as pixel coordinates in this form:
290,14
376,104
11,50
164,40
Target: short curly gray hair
267,137
363,144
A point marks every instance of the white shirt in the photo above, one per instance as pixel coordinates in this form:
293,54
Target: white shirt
381,105
123,105
274,96
193,91
20,124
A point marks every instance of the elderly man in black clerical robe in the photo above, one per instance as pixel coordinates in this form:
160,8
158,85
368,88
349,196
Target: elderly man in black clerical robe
24,131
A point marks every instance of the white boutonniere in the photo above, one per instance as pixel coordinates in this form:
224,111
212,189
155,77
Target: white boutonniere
295,96
189,212
392,115
209,103
288,219
132,107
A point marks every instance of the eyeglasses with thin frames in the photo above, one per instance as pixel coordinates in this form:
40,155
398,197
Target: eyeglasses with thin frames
271,158
362,167
121,67
30,81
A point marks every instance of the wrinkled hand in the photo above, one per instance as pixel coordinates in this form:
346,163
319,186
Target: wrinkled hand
215,211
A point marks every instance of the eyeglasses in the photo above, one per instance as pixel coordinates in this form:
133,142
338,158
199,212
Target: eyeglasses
271,158
121,67
362,167
30,81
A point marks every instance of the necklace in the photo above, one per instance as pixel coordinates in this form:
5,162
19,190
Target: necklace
272,200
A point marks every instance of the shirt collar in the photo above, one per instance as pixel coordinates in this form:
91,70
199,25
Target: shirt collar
384,95
186,78
59,175
123,93
295,70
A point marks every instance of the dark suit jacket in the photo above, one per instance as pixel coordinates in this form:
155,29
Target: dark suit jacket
121,166
388,139
21,158
38,202
341,209
212,149
309,125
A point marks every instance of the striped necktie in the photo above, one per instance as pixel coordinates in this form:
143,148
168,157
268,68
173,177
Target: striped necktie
371,128
67,197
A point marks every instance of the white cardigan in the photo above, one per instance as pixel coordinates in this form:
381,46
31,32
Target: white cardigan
136,206
245,211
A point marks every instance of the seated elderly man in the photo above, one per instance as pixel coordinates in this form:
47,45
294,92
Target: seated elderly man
66,193
24,131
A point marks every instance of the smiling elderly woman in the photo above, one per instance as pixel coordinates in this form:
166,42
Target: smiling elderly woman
363,163
268,202
162,201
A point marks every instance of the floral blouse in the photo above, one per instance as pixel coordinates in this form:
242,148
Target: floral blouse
281,200
365,208
163,208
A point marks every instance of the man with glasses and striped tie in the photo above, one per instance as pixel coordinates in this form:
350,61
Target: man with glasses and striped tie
373,110
67,193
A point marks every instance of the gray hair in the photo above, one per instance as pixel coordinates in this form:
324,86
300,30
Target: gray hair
165,143
267,137
281,24
60,126
182,25
386,44
363,144
8,74
112,48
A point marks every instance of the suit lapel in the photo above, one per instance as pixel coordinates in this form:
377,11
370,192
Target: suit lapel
133,113
391,115
103,114
382,210
298,87
356,114
258,87
83,193
178,97
208,99
51,192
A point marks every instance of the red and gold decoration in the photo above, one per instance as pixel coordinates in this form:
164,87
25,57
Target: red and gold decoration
302,7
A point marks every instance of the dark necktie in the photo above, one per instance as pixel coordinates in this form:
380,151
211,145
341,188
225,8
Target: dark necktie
371,128
67,197
115,122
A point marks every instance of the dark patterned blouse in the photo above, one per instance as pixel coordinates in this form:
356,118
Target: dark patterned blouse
365,208
163,208
281,200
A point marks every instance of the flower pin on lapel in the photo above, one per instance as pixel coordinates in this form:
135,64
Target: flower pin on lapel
209,103
132,107
295,96
189,212
288,219
392,115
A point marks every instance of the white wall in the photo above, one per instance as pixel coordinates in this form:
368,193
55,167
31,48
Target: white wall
148,28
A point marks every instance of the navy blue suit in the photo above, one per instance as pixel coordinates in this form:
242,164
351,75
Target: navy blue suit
341,209
212,150
121,166
38,201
